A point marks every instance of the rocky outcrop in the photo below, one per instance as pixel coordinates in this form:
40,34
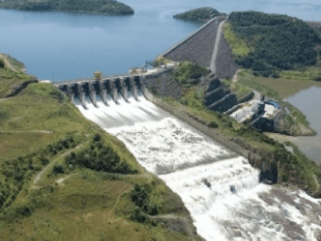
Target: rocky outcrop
16,90
271,168
163,84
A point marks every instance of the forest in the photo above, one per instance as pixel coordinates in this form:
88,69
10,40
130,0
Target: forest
198,14
106,7
276,42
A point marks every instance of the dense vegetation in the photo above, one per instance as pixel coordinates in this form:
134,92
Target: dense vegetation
274,42
98,157
198,14
190,73
107,7
17,172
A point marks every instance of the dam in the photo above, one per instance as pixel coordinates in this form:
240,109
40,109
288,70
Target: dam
220,189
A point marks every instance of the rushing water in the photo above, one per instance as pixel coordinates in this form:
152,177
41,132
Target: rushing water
308,101
220,189
59,46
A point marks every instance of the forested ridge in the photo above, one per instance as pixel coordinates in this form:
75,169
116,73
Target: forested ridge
198,14
107,7
275,42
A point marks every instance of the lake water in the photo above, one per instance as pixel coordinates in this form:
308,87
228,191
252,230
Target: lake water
308,101
59,46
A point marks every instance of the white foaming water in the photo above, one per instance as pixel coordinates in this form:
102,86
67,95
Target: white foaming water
221,191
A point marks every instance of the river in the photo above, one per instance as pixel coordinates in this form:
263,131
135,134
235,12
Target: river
60,46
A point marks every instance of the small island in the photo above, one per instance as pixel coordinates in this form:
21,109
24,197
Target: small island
198,14
105,7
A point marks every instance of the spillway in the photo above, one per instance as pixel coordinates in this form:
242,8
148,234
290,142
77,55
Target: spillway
220,189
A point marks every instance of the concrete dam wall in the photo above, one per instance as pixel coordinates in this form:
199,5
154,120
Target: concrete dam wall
106,90
207,47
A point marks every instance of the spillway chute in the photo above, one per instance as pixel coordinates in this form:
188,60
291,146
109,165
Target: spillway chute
221,190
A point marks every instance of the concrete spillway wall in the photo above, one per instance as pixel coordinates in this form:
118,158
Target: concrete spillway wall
112,87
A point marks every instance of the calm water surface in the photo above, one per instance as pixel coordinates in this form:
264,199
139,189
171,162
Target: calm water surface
61,46
309,102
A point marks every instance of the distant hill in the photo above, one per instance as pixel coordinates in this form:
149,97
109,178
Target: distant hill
106,7
268,43
198,14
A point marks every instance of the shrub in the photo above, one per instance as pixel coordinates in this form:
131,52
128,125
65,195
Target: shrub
99,157
190,73
58,169
1,64
213,124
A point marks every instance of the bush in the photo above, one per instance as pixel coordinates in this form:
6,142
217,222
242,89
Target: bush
140,196
190,73
213,124
1,64
99,157
58,169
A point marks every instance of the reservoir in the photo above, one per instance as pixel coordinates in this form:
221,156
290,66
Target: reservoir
60,46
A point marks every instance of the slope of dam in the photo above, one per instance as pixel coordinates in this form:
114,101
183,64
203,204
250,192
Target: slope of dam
220,189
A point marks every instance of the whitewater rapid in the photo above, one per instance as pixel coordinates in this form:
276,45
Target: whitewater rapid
220,189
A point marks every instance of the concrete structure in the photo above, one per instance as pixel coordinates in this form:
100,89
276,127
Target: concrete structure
206,46
106,86
260,114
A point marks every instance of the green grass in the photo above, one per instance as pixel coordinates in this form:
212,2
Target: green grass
238,89
16,63
278,88
248,79
10,79
238,45
88,205
85,207
304,74
41,107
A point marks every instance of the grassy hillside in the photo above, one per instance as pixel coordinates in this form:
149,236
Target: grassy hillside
198,14
269,43
12,75
63,178
107,7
